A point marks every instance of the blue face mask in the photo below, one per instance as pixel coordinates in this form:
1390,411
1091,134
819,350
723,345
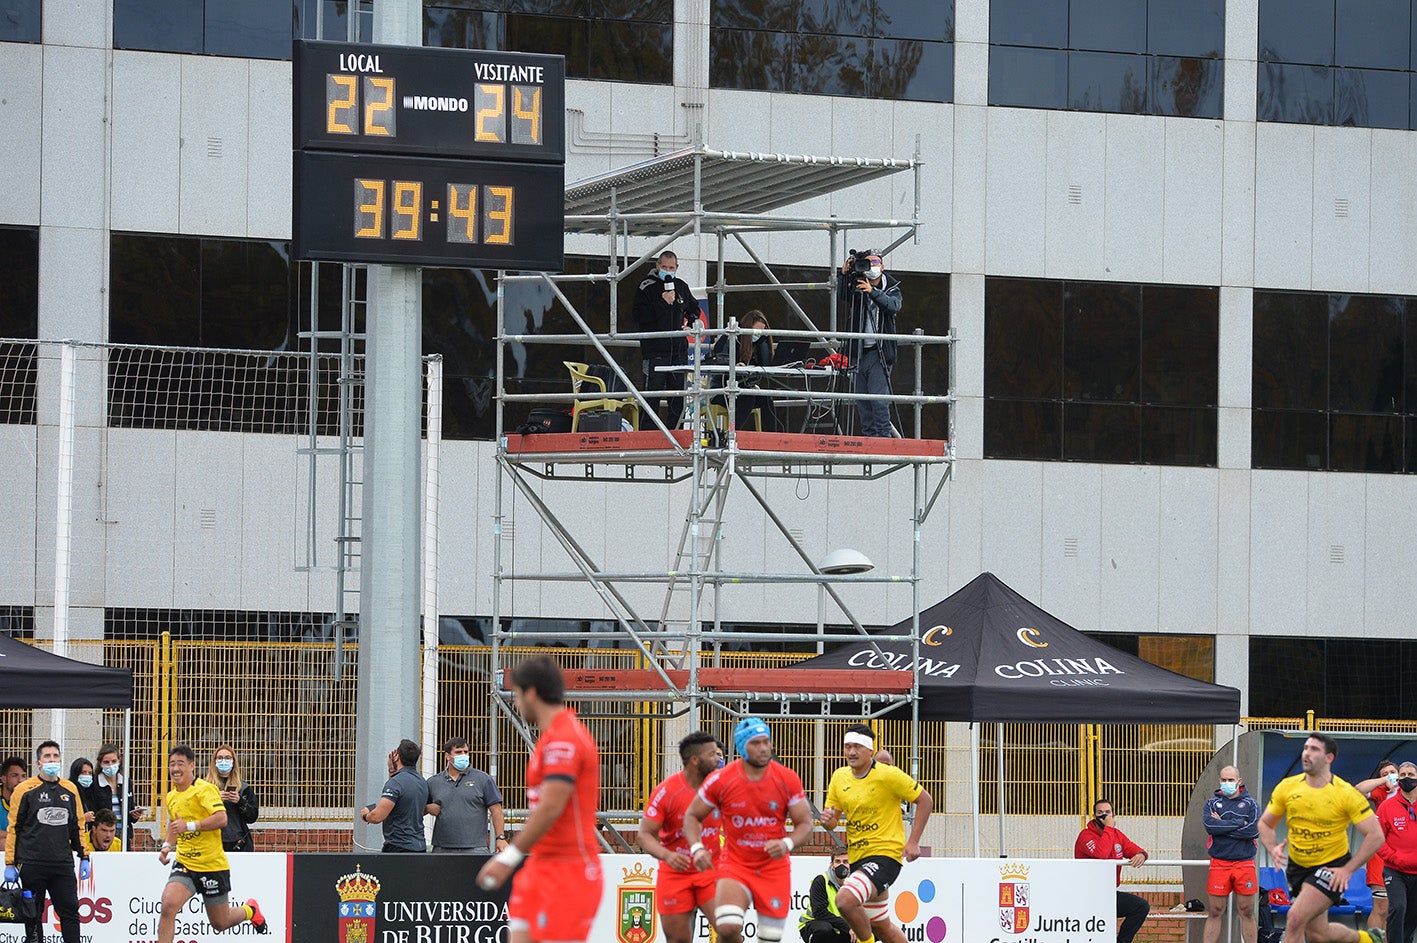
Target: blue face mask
51,770
461,762
1229,788
667,276
110,771
225,766
86,781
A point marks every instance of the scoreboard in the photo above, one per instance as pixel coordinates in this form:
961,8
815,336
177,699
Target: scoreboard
423,156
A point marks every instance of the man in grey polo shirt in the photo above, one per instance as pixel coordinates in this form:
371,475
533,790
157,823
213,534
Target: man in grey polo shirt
462,799
400,806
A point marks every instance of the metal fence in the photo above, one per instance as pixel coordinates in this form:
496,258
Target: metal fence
290,717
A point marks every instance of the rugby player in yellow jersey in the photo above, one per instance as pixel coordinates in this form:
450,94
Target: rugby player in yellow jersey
866,795
196,815
1319,807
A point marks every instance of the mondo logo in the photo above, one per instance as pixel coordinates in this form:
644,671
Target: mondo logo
907,911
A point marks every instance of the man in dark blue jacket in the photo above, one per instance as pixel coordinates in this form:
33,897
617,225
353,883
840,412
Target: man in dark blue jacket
1232,819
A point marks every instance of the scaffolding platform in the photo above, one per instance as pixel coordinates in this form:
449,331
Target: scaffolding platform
651,445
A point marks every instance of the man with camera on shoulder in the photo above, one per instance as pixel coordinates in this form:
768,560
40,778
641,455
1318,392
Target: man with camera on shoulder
872,301
663,302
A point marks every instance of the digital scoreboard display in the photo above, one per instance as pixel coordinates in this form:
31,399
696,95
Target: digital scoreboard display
439,157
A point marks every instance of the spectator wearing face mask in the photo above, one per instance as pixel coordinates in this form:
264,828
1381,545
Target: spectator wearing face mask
81,775
1101,838
242,808
464,801
663,302
110,784
1231,819
1377,790
821,922
1398,817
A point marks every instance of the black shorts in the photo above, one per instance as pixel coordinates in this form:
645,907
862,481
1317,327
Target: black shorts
880,870
214,886
1297,875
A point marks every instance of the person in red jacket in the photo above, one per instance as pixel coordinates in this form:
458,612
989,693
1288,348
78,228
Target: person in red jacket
1101,839
1398,819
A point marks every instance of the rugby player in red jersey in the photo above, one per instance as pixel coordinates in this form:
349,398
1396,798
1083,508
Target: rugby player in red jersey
679,886
752,795
555,897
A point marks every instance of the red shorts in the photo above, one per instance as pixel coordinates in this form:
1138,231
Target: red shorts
1375,875
556,897
769,887
679,892
1227,876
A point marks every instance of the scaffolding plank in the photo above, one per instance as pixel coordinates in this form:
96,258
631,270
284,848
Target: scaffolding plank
814,444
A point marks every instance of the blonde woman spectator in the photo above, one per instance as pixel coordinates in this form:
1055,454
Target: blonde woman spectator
242,809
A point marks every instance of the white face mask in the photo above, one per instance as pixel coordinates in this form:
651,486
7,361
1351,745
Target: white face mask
875,272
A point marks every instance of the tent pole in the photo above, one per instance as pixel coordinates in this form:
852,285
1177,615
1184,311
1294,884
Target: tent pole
128,770
999,753
974,782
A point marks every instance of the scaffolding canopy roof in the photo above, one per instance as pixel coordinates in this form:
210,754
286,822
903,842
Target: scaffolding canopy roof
730,182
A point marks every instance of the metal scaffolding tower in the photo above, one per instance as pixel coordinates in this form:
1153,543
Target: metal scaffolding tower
729,196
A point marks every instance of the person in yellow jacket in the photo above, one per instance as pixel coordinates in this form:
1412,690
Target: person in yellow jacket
196,815
822,922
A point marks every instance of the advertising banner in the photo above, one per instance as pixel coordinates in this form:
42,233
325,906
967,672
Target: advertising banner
121,903
394,898
936,900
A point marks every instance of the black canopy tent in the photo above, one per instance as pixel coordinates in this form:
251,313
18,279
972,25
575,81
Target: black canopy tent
987,654
33,678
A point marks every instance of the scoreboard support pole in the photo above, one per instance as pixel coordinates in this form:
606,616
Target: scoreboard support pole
390,544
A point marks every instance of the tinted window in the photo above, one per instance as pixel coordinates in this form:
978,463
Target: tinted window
1029,23
1100,371
259,29
1373,34
1299,94
1370,41
1107,25
1186,88
1333,382
1288,440
890,49
1369,99
1180,346
1185,27
1023,338
1289,676
187,292
1296,31
915,19
1118,56
19,282
1101,341
1099,81
21,21
1290,350
1028,78
164,25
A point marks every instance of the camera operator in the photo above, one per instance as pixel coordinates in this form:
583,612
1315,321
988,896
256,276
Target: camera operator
663,302
872,300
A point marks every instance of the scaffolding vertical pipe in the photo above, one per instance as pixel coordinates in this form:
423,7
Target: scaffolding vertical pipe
499,433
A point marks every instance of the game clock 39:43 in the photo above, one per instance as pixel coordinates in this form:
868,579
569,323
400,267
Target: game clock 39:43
426,156
425,211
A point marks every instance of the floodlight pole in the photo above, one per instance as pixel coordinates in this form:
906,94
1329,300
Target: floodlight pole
390,550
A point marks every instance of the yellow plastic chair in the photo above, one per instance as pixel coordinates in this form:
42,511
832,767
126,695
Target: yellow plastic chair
718,417
584,381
